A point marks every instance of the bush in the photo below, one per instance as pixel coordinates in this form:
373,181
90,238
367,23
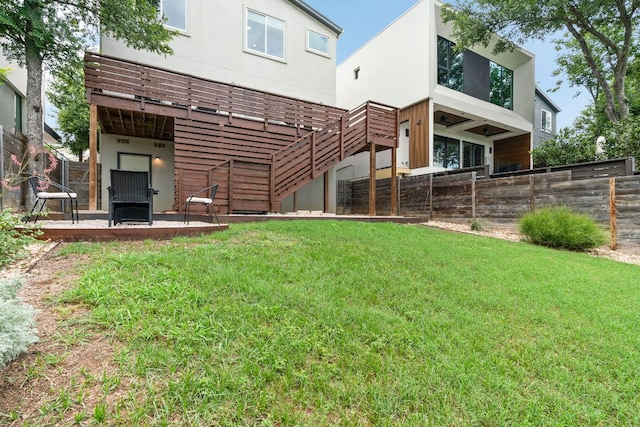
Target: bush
479,225
560,227
17,320
12,241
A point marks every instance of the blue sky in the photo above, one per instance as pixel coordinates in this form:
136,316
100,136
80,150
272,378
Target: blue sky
363,19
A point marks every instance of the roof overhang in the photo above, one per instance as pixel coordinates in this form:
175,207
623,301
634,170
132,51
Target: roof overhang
317,16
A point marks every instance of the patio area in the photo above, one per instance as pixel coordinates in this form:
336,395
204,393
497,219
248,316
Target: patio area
93,225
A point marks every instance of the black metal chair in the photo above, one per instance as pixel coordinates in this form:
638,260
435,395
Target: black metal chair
207,201
130,197
38,184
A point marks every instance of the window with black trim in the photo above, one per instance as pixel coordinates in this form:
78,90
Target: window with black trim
446,152
501,86
472,154
265,34
450,65
17,112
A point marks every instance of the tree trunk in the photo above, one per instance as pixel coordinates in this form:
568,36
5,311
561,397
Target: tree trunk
35,128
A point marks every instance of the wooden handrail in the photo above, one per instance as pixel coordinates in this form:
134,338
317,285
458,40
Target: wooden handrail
115,77
308,155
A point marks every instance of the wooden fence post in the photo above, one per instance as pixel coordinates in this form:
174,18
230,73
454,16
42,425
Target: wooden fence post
372,179
430,197
612,213
93,157
473,194
532,190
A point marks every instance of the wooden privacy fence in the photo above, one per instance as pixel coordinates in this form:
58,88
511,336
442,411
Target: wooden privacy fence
72,174
613,202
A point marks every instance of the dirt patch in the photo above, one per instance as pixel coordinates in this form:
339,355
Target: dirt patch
62,379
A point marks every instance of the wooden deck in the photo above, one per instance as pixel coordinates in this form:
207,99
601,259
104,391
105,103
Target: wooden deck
260,147
92,226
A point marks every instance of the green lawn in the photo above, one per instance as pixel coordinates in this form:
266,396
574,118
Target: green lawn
341,323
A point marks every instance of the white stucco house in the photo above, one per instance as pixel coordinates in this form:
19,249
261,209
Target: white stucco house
458,109
283,47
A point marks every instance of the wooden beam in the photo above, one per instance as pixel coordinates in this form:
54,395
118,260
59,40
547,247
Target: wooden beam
612,214
372,180
230,186
394,182
93,157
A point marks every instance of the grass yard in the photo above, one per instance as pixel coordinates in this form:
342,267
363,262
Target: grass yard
316,323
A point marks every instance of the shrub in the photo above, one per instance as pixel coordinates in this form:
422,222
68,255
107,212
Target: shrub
560,227
17,320
12,240
479,225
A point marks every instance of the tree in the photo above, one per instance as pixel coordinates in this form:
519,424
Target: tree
67,93
39,33
605,33
3,74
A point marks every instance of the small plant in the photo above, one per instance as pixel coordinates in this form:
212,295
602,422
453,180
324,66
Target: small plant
479,225
17,330
13,240
561,228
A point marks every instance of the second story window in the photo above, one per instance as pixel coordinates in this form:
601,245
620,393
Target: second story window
546,121
450,71
317,43
265,34
501,86
175,13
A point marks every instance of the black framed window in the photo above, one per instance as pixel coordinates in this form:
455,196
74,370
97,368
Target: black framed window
18,112
472,154
450,65
501,86
446,152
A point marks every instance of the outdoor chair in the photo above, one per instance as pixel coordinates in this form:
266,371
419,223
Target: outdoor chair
130,197
42,196
207,201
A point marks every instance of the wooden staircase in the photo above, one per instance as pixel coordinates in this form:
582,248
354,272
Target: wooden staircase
259,147
362,129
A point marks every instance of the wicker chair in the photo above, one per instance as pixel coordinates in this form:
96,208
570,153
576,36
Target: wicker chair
130,197
42,197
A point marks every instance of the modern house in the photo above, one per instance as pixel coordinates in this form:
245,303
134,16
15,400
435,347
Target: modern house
459,109
545,117
247,100
12,97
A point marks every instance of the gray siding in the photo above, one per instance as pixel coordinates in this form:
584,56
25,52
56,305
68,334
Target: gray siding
539,136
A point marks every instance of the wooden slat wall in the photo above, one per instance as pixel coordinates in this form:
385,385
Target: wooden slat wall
314,154
106,74
11,145
418,133
504,200
628,209
278,144
453,195
512,151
